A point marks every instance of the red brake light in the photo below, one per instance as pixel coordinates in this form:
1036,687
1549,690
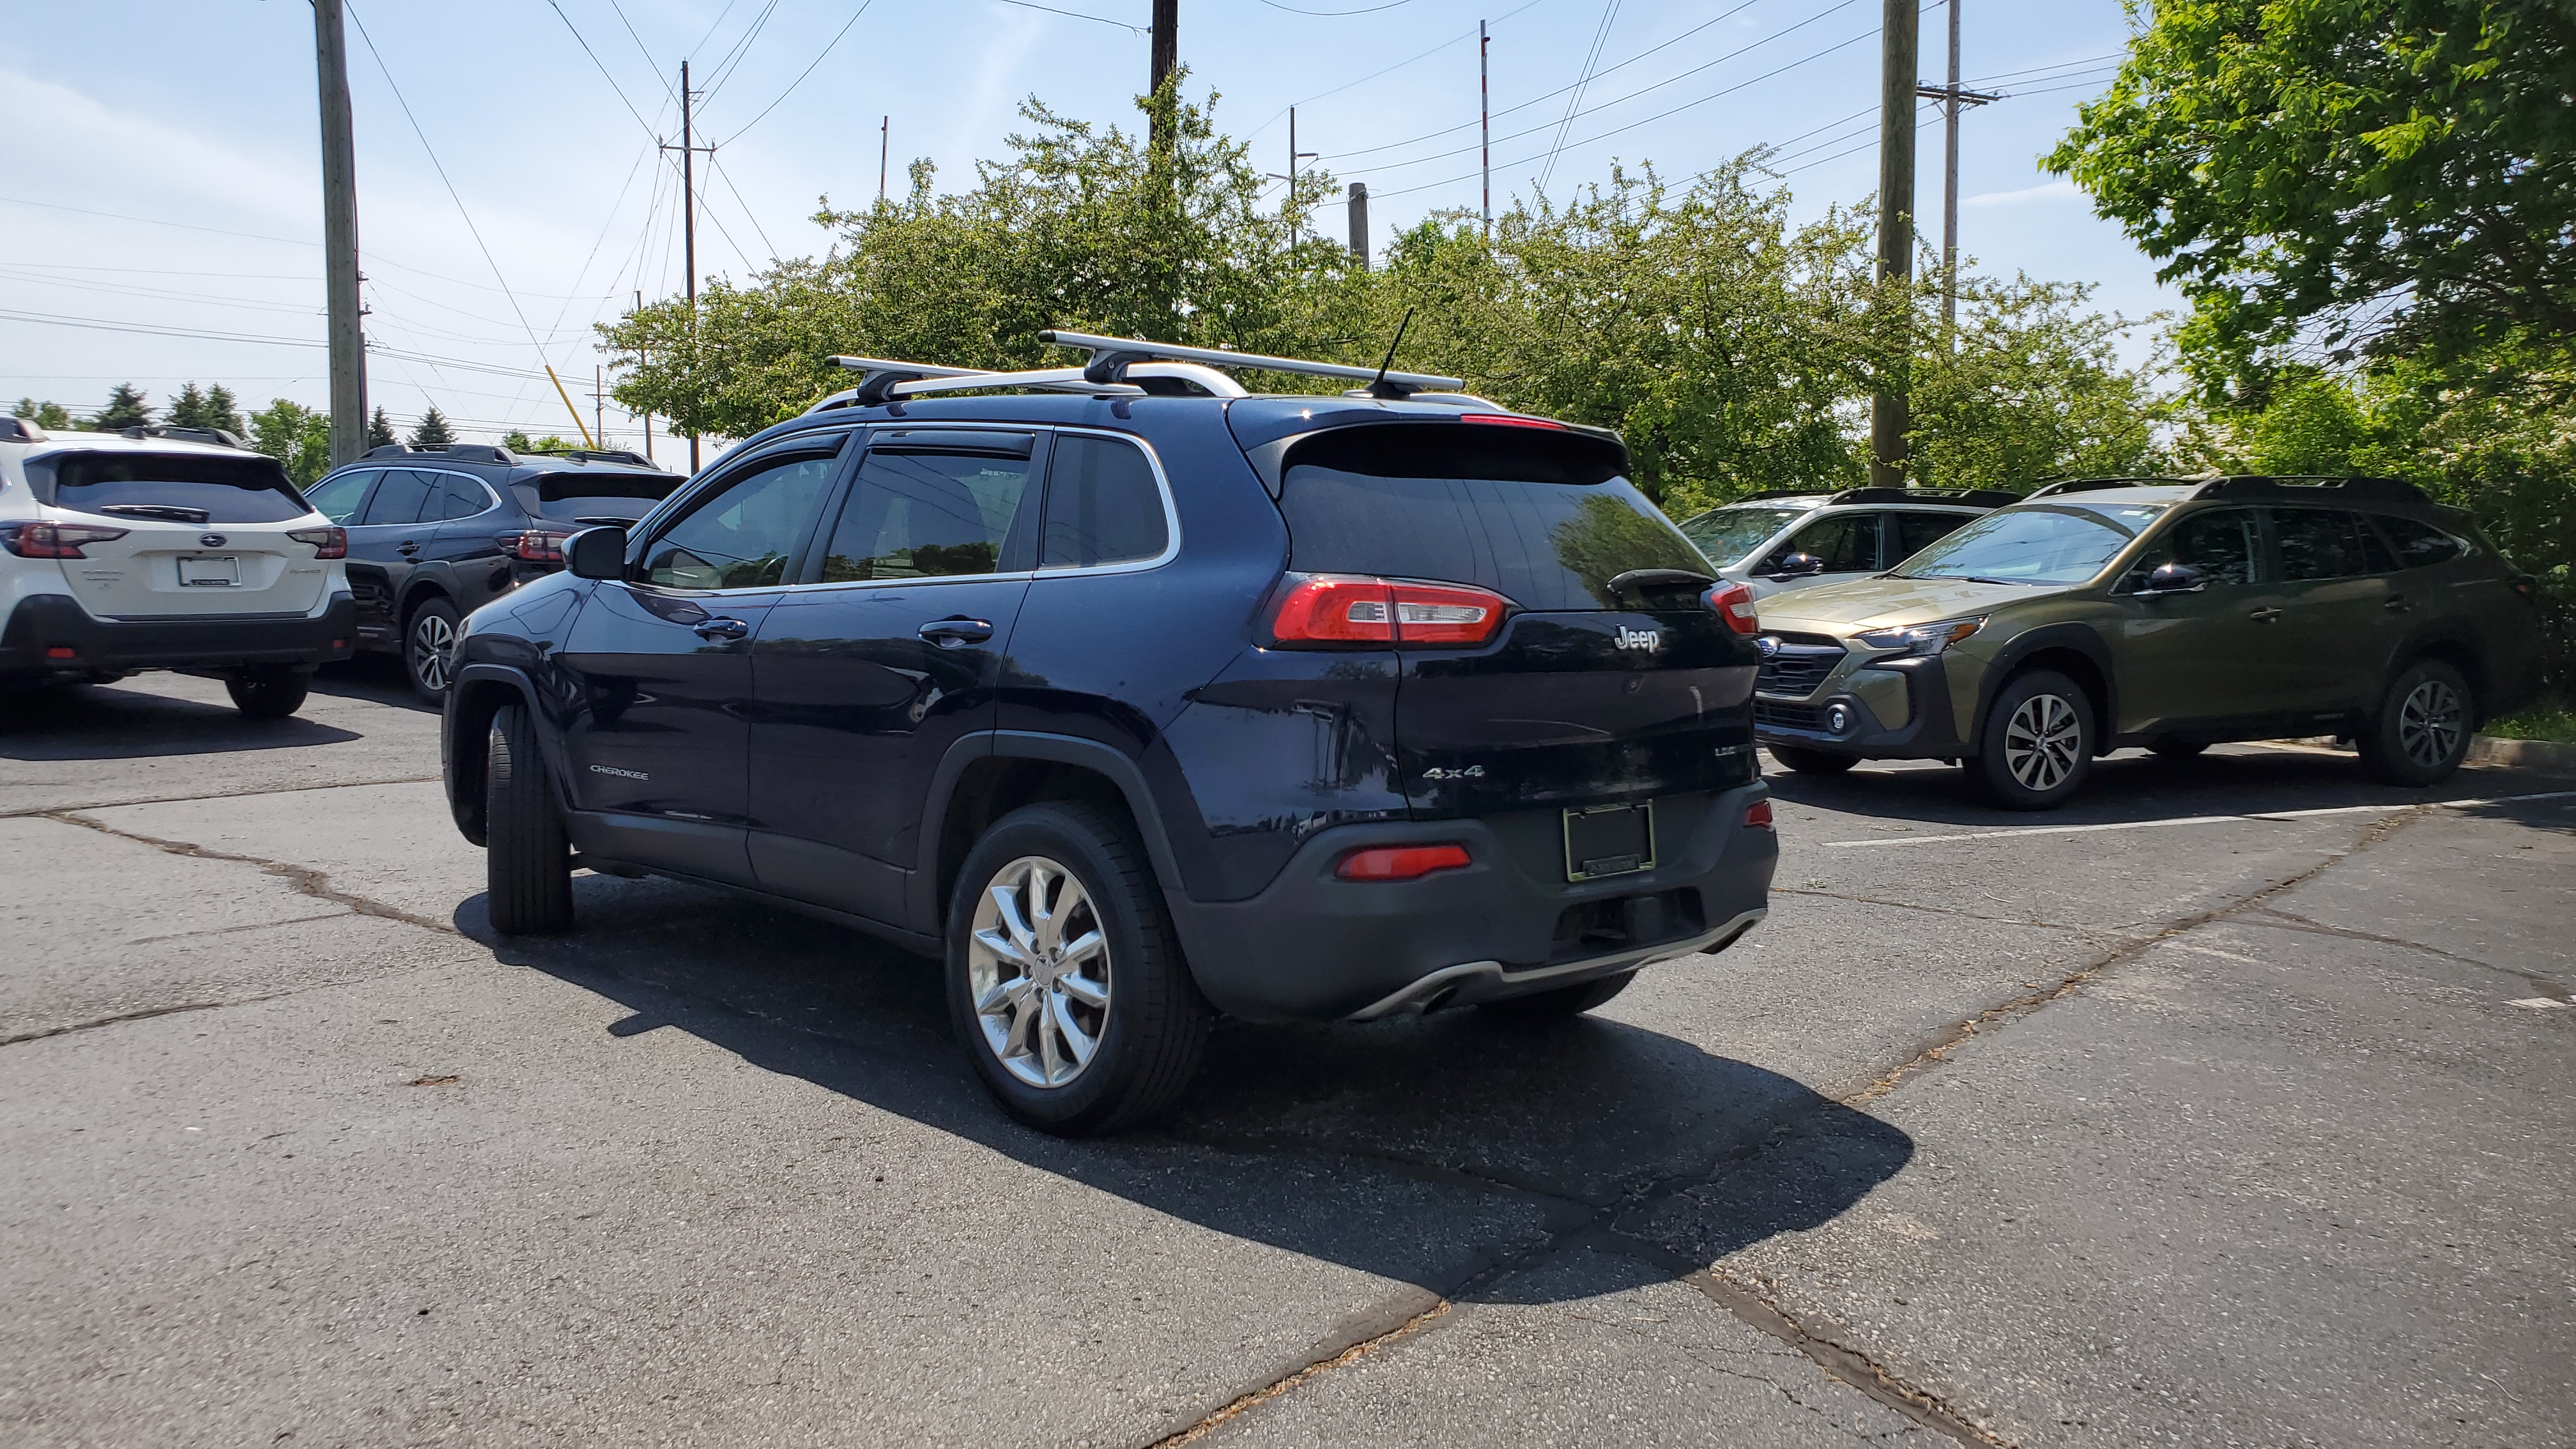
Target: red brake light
1734,604
1757,816
53,540
1507,420
1401,862
1338,609
327,542
536,545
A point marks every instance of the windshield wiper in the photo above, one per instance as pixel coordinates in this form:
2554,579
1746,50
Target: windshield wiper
1974,579
171,511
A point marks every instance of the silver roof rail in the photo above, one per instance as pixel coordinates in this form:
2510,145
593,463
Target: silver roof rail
1111,356
883,378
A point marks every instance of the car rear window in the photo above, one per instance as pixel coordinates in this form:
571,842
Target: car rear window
1544,519
570,497
176,487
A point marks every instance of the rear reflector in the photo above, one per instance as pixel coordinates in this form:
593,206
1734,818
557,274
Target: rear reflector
1326,609
1734,604
61,651
1401,862
1757,816
1506,420
327,542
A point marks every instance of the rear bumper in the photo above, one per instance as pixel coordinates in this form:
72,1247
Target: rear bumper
51,635
1313,947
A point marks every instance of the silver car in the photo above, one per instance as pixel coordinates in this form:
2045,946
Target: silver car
1775,541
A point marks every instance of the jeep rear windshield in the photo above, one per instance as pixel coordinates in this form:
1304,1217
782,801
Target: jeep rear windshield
1543,518
192,488
570,497
2035,543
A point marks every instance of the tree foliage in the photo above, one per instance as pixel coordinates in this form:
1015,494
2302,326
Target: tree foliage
380,429
42,414
127,407
432,431
2383,175
211,407
295,435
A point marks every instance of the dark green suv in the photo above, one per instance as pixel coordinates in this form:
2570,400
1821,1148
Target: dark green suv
2112,612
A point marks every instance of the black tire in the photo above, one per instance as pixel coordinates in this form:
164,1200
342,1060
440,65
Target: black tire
1563,1002
2422,729
427,637
1812,762
1146,1036
268,693
2037,746
527,861
2178,749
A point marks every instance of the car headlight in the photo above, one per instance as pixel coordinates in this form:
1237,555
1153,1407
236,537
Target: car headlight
1913,640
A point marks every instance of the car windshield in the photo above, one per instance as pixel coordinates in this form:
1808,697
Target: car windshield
2044,543
1730,535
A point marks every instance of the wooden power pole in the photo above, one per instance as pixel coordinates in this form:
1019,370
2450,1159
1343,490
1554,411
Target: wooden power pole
689,149
1888,420
1953,98
1166,58
340,240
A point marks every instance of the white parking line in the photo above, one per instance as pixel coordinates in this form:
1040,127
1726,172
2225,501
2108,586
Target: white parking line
2272,815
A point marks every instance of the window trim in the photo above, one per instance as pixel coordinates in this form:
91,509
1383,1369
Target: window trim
830,443
1162,488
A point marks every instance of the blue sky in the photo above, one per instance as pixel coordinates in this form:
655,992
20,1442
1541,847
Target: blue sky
123,118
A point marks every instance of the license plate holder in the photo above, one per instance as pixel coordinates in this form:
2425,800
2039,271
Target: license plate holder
209,571
1608,840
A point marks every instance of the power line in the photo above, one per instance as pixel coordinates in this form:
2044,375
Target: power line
651,67
732,59
101,324
1335,14
747,213
1075,14
1591,58
800,75
1390,70
603,68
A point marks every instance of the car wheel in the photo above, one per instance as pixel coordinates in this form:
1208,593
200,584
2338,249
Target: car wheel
267,693
527,861
2038,742
2178,749
1812,762
1065,983
2422,731
1563,1002
426,642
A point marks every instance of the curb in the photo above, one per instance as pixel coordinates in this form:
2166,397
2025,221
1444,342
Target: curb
2540,755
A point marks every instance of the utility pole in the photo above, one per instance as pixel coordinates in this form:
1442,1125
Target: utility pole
340,240
1166,50
640,358
1288,205
885,140
599,404
1888,420
1952,99
1359,223
1485,110
689,150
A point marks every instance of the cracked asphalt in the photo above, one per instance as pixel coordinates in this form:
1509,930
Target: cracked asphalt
2232,1105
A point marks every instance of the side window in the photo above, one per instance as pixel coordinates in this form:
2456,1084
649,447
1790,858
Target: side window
743,536
458,497
1911,533
2222,543
2318,543
2419,544
1102,506
919,515
1847,542
401,497
339,497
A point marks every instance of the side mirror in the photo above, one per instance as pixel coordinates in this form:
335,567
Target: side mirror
1798,566
596,553
2174,578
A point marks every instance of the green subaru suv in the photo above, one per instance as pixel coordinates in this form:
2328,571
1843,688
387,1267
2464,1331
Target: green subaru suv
2113,612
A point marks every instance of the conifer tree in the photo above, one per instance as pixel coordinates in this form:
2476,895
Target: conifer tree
433,431
126,408
380,429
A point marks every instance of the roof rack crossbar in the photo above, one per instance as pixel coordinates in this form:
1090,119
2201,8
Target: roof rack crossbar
1053,379
1111,356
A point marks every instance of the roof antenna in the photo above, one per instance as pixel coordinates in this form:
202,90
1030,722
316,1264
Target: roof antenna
1380,387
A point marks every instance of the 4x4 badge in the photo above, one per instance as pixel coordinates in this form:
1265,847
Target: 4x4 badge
1648,640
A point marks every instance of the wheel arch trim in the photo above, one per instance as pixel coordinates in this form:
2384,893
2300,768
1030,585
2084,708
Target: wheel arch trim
467,688
2077,639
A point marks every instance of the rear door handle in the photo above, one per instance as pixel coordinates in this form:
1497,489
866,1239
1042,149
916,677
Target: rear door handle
952,633
2265,615
720,628
407,549
2397,604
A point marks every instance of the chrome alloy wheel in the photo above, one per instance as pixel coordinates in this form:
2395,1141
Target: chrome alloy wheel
2041,740
1037,963
431,636
2430,722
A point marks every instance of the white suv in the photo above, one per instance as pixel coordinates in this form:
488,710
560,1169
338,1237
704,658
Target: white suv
1774,541
164,548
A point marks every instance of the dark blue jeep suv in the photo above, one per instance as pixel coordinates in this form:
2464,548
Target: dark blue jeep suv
1139,699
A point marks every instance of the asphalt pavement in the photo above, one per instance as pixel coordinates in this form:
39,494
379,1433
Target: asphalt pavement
2230,1105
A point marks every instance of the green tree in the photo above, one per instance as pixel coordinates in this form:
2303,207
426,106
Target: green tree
2032,387
188,409
380,429
224,410
48,415
295,435
2376,175
126,408
433,431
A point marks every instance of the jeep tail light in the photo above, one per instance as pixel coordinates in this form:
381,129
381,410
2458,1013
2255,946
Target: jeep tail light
53,540
1757,816
1734,604
535,545
1329,609
1401,862
327,542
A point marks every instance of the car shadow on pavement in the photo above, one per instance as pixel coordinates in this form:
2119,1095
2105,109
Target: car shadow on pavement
375,678
103,722
1434,1151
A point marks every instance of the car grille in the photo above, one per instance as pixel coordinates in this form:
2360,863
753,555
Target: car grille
1801,666
1808,717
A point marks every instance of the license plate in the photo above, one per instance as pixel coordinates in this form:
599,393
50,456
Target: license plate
209,573
1602,840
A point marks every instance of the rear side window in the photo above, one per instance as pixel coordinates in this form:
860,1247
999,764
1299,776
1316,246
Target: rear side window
2319,543
915,515
401,497
1543,518
178,487
1911,533
458,497
570,497
1102,506
2419,544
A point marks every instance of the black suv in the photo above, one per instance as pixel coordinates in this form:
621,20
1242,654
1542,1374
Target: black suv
436,533
1143,703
